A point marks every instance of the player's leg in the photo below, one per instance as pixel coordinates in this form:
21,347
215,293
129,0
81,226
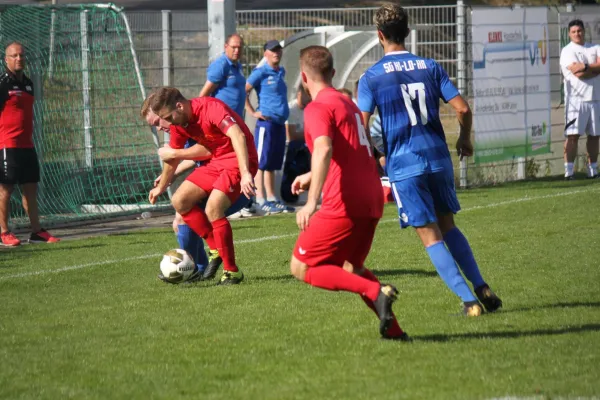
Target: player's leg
592,143
265,180
29,176
190,241
360,244
319,256
416,208
576,120
276,155
7,237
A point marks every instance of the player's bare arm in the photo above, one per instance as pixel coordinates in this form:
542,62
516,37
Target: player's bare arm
165,179
208,88
181,168
584,71
379,156
249,108
319,166
464,146
238,141
196,152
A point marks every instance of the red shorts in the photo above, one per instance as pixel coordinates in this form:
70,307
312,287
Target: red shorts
335,240
223,175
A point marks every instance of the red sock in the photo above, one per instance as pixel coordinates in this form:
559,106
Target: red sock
394,329
331,277
198,221
224,241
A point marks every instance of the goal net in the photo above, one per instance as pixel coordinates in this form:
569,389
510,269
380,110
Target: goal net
97,157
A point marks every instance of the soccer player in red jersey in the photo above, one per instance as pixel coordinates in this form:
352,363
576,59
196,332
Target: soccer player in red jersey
335,241
230,171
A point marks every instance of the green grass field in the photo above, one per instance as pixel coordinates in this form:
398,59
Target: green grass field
87,319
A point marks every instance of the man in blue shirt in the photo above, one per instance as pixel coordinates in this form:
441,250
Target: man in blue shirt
406,89
269,82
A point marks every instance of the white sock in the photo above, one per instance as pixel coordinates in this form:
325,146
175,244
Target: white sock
569,169
272,199
592,170
260,201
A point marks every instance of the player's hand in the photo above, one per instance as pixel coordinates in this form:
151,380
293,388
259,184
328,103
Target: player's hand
259,115
303,216
167,153
153,196
301,183
247,185
464,147
157,181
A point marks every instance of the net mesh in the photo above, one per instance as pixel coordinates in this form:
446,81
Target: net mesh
97,157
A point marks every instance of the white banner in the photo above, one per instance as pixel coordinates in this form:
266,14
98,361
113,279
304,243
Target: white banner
511,83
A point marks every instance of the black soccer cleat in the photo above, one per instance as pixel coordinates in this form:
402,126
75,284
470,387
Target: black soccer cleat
489,299
165,280
383,305
214,262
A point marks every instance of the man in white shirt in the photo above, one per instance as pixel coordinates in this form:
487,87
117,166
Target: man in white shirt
580,66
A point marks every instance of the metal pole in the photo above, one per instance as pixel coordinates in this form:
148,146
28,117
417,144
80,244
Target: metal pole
87,122
221,23
166,53
51,57
460,74
413,41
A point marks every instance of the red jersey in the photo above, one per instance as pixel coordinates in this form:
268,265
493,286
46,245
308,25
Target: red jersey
209,124
16,112
352,187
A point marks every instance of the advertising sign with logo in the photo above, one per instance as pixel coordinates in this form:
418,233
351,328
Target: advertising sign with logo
511,83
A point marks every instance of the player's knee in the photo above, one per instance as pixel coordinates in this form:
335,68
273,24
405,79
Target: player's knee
181,203
214,211
298,269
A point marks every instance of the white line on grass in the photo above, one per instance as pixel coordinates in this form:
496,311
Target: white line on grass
276,237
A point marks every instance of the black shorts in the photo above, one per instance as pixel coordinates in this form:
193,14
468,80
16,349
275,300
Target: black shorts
19,166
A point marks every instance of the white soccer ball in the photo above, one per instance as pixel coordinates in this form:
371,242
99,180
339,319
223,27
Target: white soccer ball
177,265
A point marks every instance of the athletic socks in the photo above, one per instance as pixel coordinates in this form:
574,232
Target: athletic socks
448,271
197,220
331,277
463,255
192,243
569,169
224,242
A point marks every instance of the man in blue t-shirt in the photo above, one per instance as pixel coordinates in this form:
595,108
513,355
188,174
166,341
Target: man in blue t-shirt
269,136
406,90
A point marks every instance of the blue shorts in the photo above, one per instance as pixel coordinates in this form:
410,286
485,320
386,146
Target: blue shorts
269,138
421,198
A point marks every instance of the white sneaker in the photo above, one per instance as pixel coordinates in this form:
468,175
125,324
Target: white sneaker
236,215
247,212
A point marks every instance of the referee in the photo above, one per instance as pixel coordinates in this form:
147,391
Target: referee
18,159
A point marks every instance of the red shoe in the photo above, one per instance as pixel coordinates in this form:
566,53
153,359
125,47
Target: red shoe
43,236
9,239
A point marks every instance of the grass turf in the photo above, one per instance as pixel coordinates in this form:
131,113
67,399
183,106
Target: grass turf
88,318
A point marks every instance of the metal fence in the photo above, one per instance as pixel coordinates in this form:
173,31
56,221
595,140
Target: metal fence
173,49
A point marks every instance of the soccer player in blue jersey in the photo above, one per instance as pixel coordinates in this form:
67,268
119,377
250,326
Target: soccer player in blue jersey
406,90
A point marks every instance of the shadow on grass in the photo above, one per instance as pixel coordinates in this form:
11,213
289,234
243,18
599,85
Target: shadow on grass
556,305
418,272
508,334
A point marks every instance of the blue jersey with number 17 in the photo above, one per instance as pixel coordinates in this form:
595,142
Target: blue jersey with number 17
406,90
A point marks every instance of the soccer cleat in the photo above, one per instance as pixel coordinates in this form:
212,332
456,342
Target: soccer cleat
9,239
248,212
489,299
283,207
570,178
269,208
383,305
214,261
402,338
231,278
165,280
472,309
43,236
196,276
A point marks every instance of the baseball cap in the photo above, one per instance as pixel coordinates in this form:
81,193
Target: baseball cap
272,45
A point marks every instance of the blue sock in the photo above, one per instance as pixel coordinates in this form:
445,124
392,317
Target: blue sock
193,244
461,251
448,271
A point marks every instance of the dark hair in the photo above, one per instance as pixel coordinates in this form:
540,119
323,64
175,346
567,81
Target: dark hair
576,22
318,61
165,97
392,21
345,91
